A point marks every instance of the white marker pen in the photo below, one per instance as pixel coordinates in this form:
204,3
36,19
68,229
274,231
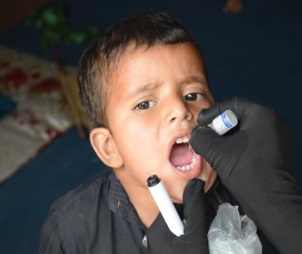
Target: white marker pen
224,122
165,205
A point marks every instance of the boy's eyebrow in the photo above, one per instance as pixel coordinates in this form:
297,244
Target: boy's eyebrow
150,86
194,78
142,89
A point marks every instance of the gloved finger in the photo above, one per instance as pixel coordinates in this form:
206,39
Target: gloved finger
204,140
160,225
195,233
221,152
194,208
159,236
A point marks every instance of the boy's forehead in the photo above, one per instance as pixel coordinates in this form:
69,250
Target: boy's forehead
133,55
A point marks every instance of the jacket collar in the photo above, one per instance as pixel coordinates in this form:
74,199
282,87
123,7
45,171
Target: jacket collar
120,204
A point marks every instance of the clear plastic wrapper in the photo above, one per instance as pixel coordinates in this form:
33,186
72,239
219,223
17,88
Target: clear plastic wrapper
231,233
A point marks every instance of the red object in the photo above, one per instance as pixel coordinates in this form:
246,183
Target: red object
48,85
16,77
35,75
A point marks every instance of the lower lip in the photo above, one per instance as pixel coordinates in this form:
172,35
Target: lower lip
193,172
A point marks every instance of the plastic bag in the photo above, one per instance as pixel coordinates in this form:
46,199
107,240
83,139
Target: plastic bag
232,233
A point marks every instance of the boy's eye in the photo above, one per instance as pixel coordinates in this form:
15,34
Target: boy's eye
193,96
144,105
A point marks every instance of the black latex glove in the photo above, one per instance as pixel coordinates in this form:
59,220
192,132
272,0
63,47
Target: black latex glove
194,240
254,162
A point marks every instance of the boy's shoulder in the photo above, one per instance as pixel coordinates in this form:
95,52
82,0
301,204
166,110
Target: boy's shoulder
81,216
86,195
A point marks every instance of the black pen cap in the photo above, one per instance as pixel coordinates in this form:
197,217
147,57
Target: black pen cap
153,180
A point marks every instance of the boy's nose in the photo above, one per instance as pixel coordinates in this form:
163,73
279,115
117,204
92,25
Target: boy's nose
177,111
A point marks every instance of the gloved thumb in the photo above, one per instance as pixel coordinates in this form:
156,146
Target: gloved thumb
194,208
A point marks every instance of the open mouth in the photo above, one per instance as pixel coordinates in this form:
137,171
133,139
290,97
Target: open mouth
181,155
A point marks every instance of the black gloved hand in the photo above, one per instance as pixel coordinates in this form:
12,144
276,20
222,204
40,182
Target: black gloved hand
194,240
253,161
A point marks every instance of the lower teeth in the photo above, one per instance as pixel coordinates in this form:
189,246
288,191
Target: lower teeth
188,167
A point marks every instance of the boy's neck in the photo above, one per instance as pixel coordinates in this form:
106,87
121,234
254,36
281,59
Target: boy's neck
146,209
142,201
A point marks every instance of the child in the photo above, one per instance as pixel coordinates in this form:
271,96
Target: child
143,83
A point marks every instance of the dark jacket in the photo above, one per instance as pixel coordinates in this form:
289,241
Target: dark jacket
98,217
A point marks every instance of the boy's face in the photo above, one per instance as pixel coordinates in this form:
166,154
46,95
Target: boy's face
154,98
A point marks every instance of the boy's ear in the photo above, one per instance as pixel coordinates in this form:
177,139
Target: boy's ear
104,146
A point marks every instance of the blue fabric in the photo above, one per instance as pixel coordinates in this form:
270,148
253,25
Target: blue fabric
6,105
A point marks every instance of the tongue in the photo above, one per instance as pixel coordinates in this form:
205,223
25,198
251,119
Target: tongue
181,155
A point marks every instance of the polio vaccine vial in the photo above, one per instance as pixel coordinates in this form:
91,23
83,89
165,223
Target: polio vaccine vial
224,122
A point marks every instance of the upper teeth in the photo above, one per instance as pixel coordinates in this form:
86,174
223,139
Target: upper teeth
182,140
